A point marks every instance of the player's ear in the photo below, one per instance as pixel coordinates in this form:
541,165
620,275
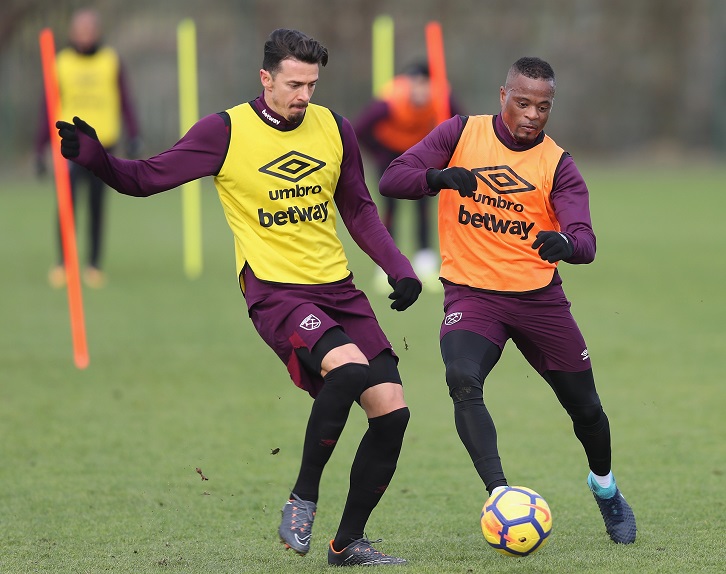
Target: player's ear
265,78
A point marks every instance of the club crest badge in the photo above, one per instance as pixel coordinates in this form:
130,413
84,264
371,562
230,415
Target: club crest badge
310,323
452,318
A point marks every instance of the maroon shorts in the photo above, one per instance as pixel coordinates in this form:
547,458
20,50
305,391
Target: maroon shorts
539,323
293,317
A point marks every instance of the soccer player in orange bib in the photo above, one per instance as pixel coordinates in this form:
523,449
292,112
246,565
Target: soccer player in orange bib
285,170
390,124
512,205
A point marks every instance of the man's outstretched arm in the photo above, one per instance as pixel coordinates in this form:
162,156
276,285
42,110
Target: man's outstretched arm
405,177
199,153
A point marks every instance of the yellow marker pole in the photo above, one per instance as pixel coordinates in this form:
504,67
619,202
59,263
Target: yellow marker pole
383,52
188,114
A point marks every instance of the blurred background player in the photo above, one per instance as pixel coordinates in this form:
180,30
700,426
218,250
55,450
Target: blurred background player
390,124
520,207
92,85
285,169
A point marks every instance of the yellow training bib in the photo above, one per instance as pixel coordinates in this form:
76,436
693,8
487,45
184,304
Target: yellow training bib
277,188
89,89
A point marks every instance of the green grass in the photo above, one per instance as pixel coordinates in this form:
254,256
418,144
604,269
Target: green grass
97,467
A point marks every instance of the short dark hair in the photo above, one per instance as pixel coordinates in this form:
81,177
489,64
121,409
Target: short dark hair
417,68
283,44
534,68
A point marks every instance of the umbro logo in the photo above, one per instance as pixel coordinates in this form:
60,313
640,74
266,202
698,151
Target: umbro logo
585,355
502,179
310,323
293,166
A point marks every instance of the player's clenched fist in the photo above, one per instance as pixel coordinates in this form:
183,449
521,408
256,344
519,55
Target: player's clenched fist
70,144
405,293
553,246
458,178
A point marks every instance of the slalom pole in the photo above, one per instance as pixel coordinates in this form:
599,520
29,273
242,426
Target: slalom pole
383,52
188,114
65,201
437,69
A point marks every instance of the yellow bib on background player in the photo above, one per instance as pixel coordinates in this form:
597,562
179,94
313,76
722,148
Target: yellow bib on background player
276,188
89,89
486,241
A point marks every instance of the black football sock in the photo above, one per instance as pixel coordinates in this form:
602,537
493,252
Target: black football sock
371,472
327,418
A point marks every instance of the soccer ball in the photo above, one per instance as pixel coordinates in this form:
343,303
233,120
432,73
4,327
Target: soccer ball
516,521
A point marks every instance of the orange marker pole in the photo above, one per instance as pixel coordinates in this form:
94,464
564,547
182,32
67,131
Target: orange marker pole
437,70
65,202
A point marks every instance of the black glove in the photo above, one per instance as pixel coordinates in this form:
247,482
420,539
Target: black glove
553,246
458,178
70,146
405,292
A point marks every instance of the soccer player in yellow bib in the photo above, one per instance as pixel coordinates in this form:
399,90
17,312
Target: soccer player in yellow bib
94,86
285,170
512,206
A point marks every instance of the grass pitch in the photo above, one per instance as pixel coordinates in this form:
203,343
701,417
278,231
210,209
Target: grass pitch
98,467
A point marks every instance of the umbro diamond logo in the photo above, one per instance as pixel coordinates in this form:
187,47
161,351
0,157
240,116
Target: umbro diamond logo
293,166
310,323
585,355
452,318
502,179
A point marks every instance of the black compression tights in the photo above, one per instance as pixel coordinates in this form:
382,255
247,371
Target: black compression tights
96,194
469,358
577,394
